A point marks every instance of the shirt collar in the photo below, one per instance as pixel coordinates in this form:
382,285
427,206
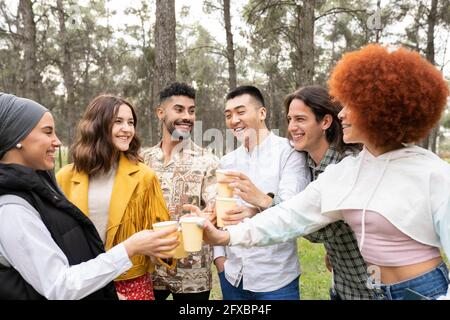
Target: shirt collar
330,157
261,146
184,148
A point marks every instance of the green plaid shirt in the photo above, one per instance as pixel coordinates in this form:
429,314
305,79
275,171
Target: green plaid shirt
349,268
331,157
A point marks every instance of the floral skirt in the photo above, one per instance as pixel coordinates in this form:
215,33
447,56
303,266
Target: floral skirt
140,288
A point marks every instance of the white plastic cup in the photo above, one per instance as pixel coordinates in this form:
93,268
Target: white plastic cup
180,253
192,233
223,189
223,205
166,225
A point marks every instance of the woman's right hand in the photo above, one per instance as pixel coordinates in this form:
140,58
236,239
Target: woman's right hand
152,243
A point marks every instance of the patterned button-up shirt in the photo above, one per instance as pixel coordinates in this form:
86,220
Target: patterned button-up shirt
188,177
350,273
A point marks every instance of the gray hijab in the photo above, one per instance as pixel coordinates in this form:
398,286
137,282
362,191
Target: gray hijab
18,117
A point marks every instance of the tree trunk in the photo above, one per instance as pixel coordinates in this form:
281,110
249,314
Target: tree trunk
67,72
32,77
232,81
431,140
305,46
165,48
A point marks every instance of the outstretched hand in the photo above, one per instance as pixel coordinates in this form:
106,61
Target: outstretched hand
152,243
211,234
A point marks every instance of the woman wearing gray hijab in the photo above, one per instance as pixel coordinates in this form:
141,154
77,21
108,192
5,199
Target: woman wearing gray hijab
48,248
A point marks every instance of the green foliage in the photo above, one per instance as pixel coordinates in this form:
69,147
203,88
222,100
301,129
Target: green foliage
316,279
446,121
119,58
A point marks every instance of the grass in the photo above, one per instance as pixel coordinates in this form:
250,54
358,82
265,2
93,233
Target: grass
314,281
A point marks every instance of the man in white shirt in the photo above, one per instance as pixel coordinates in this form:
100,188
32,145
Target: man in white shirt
272,272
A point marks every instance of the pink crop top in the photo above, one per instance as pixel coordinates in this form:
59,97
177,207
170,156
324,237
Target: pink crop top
384,244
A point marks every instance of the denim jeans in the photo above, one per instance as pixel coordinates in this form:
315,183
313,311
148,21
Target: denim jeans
431,284
229,292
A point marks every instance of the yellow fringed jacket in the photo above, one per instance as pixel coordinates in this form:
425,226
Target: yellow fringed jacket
136,203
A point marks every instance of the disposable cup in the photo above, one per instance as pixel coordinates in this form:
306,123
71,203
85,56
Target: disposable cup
192,233
223,205
180,253
223,189
159,226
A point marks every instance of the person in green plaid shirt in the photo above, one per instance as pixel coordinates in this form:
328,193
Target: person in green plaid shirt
315,129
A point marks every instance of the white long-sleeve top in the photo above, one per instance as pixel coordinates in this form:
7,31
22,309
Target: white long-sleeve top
410,187
273,166
26,244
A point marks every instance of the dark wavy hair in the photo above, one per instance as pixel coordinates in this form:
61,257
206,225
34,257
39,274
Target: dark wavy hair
319,101
397,97
93,151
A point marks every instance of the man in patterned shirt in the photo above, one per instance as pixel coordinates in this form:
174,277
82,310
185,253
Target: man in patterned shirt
187,175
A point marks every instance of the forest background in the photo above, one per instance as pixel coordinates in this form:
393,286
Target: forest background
63,53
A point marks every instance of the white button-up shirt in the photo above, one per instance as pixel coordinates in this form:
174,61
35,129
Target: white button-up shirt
27,245
273,166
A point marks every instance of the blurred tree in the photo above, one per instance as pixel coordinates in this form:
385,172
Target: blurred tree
27,29
223,6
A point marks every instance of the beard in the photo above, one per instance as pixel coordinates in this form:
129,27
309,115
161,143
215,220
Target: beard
178,135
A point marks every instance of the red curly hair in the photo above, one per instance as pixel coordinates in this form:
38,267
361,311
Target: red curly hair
397,97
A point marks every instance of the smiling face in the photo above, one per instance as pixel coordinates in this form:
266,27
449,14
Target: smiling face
351,132
123,128
177,114
306,132
244,116
39,147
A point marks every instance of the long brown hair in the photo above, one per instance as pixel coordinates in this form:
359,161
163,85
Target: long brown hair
93,151
319,101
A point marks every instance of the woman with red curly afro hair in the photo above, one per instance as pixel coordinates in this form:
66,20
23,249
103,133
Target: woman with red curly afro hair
395,196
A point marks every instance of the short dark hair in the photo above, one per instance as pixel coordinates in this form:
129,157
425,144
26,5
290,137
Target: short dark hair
250,90
177,89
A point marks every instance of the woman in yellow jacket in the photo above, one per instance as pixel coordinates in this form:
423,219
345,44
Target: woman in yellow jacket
111,185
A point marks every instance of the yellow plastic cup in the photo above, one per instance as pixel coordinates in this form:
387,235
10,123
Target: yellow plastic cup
192,233
165,225
223,205
223,189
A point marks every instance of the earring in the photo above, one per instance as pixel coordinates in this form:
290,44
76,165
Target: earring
19,146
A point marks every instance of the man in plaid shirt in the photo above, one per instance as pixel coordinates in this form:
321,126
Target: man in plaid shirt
314,127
